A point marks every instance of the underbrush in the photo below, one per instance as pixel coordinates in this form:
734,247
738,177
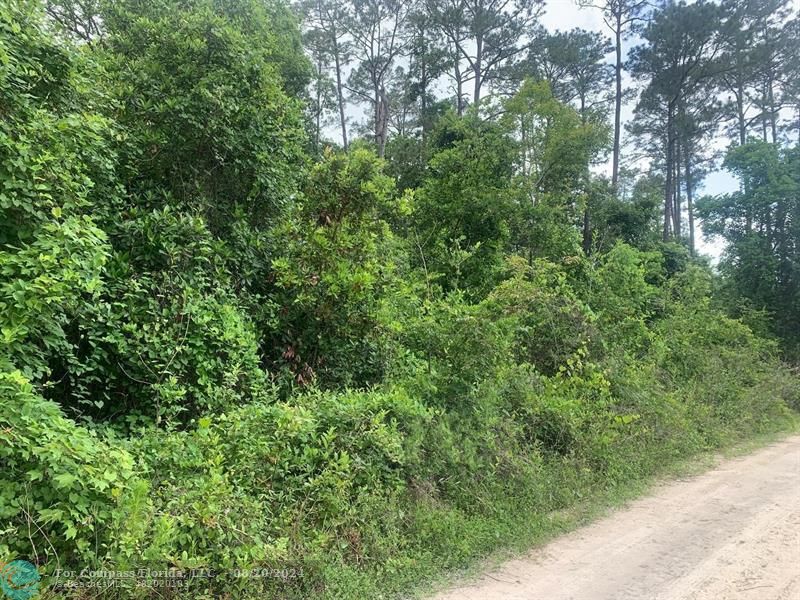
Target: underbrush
366,494
497,417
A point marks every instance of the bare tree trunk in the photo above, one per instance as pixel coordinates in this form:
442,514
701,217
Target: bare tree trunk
381,121
740,115
339,93
423,117
524,133
770,94
773,120
459,85
477,70
689,199
676,211
669,171
376,116
587,222
587,230
617,103
317,124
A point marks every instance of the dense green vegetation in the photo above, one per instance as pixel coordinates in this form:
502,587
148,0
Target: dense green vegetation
228,344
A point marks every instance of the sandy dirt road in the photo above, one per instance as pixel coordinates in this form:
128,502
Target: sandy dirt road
732,533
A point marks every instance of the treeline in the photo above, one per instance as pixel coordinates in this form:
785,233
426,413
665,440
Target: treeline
227,344
699,73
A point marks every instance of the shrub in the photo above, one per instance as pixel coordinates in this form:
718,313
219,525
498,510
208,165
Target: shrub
332,274
273,484
61,485
459,345
549,322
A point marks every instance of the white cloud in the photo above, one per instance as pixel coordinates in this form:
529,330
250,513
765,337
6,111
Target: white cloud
565,14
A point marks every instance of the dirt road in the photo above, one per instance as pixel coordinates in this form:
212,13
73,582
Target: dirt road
729,534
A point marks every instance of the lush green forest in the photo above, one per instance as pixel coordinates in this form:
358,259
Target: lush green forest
327,299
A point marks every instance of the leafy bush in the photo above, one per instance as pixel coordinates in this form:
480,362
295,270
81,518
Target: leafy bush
208,127
273,484
550,323
61,486
458,345
332,274
462,210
